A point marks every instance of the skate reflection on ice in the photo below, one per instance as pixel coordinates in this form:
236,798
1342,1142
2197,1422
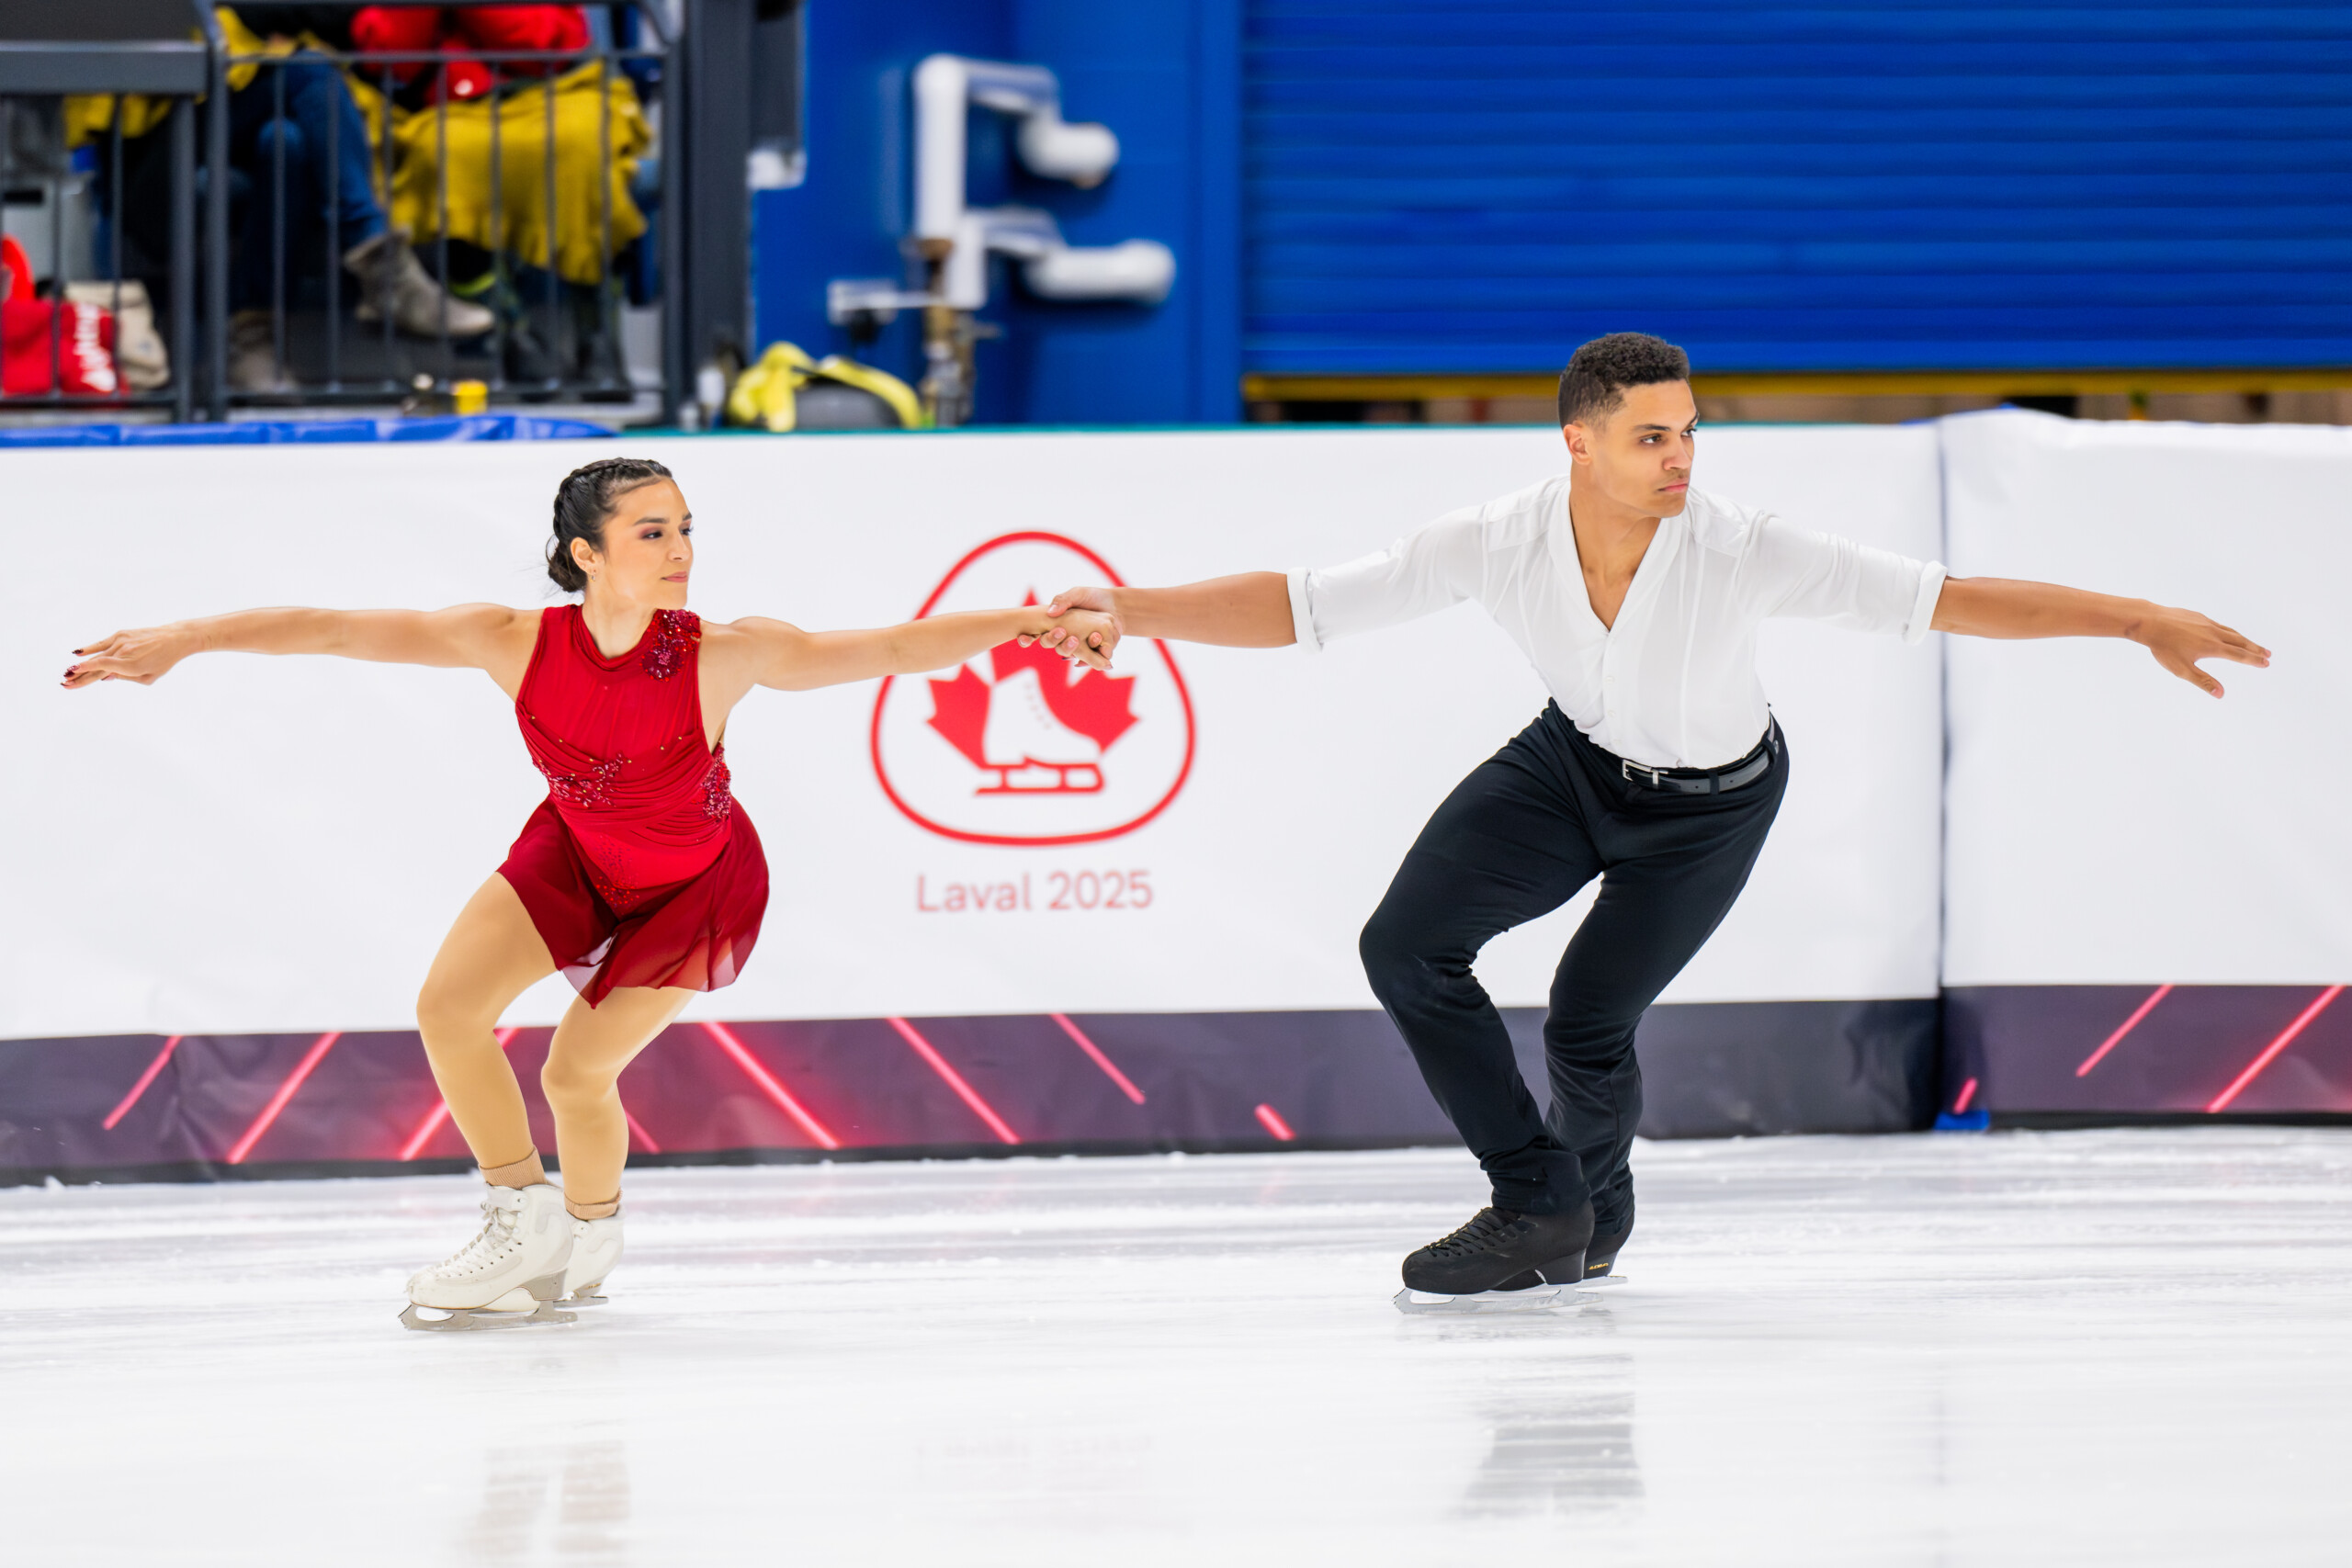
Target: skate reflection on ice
1561,1443
568,1504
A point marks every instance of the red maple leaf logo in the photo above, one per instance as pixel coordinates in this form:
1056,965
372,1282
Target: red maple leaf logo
1080,700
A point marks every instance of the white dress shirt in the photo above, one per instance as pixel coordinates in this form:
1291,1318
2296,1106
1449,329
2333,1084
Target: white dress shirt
1673,683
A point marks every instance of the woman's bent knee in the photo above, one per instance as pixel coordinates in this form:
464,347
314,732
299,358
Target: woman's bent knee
445,1013
570,1085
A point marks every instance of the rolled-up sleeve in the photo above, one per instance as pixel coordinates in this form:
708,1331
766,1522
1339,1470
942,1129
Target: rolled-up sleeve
1801,575
1419,575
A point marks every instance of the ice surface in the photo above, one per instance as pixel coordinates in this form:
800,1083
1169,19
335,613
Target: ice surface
2121,1346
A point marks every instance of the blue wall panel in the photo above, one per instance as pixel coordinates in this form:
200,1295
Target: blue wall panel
845,219
1482,185
1163,77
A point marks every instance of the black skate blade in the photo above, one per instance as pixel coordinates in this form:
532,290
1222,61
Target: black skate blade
470,1320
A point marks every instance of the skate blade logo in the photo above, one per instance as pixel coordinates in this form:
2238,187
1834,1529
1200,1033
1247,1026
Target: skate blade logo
1018,746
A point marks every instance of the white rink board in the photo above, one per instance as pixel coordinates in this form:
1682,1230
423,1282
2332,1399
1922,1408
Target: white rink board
262,844
2110,824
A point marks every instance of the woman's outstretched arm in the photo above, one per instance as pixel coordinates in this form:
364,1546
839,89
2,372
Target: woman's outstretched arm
479,636
2001,608
773,653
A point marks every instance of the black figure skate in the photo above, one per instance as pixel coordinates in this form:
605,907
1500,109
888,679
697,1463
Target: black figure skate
1501,1261
1601,1258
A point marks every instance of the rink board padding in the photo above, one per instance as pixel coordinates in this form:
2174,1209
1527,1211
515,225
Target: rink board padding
2016,826
1737,1069
231,1106
2256,1050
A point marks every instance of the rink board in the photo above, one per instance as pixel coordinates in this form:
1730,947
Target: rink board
2109,832
285,840
258,854
861,1088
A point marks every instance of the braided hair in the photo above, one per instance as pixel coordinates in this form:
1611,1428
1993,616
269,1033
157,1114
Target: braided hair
584,504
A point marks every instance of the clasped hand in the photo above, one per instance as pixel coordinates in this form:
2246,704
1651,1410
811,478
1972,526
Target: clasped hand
1089,620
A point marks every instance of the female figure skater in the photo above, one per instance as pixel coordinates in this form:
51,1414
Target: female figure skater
639,877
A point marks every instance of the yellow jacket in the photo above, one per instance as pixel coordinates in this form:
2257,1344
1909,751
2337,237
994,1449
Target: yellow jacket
460,133
586,207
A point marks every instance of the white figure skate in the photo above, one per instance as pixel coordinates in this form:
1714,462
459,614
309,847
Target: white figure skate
595,1247
509,1274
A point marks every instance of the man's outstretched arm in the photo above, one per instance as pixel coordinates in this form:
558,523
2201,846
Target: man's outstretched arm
1999,607
1250,610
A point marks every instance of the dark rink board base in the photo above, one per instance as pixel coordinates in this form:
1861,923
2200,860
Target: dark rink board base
225,1107
2071,1056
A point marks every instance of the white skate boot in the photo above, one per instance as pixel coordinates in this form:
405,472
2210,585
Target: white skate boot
510,1273
595,1247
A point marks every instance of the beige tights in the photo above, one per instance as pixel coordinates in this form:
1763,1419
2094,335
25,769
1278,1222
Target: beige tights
490,956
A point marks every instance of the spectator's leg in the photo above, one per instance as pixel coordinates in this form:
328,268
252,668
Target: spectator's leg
253,142
391,281
315,95
257,139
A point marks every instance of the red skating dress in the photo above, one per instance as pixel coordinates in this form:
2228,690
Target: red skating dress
638,869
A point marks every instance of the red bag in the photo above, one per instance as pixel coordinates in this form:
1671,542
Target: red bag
83,347
16,271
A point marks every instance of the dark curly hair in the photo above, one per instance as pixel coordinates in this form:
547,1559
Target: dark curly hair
1599,373
584,504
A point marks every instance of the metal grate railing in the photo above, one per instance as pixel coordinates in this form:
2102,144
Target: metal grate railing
311,224
70,257
513,203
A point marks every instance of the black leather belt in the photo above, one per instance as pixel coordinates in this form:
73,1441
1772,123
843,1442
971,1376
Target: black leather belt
1707,781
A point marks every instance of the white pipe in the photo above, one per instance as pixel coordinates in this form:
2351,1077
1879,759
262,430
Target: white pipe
1141,270
940,94
946,86
1050,146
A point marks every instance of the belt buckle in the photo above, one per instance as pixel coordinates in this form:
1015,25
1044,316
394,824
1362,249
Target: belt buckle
1627,768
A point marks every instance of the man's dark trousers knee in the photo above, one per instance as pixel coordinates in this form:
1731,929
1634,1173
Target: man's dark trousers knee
1516,839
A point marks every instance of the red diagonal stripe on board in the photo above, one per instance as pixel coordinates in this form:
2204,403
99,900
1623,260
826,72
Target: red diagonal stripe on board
139,1087
277,1102
1126,1086
964,1091
642,1136
2126,1027
767,1082
2271,1051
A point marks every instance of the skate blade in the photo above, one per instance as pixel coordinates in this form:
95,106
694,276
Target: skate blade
467,1320
1536,1298
587,1296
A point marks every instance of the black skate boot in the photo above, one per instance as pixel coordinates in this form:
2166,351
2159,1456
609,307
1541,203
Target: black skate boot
1498,1254
1601,1258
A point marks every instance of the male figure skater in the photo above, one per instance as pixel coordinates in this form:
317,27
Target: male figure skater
1656,767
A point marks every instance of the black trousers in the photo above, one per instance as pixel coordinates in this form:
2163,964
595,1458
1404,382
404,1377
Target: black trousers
1516,839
